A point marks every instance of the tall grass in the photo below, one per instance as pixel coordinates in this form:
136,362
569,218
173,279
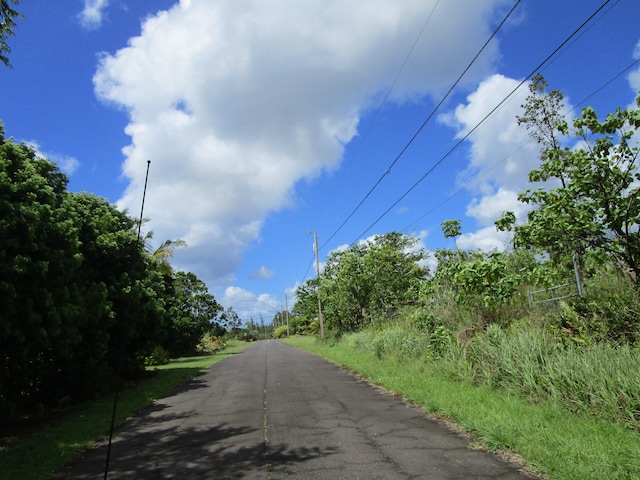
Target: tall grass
601,379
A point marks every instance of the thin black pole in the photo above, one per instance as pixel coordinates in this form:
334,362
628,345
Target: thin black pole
119,370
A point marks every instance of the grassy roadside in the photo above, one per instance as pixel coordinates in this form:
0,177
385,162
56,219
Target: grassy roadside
549,440
48,447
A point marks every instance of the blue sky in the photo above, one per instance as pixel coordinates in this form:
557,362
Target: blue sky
266,120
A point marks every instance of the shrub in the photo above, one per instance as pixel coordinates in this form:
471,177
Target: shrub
210,344
440,341
280,332
159,356
609,312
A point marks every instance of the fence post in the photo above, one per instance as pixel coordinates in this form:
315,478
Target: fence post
578,276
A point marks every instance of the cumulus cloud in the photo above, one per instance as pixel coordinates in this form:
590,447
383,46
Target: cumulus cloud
500,157
236,101
488,208
66,163
634,76
262,273
501,152
93,13
248,305
486,239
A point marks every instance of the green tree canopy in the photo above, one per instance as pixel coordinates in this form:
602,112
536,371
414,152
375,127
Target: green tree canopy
78,297
193,313
7,23
451,229
370,280
590,195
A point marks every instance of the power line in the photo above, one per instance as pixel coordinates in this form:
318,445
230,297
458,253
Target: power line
424,124
377,112
484,172
461,189
468,134
380,106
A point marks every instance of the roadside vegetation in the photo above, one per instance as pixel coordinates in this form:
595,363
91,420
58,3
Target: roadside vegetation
86,302
86,307
542,436
534,350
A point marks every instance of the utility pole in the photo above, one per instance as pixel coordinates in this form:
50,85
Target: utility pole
315,249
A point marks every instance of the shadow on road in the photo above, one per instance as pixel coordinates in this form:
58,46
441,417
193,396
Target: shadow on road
188,452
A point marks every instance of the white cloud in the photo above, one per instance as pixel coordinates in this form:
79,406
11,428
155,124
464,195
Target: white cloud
66,163
488,208
262,273
500,158
486,239
93,13
236,101
248,305
501,153
634,77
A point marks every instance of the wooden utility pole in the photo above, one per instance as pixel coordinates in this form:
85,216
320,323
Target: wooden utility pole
315,249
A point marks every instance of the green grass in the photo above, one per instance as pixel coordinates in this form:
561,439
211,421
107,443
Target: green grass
42,451
549,439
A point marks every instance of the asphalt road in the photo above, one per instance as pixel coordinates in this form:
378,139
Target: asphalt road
272,411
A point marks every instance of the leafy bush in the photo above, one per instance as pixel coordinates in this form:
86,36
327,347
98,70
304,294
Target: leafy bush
609,312
440,341
159,356
280,332
211,344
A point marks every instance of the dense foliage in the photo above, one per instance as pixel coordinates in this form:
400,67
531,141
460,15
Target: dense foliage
7,23
366,281
588,198
81,300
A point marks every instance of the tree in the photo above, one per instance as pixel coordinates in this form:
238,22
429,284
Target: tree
193,312
590,198
72,306
7,23
306,306
451,228
231,320
38,251
163,253
370,280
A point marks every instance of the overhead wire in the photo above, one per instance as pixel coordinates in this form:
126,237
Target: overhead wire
485,172
422,126
380,106
377,112
484,119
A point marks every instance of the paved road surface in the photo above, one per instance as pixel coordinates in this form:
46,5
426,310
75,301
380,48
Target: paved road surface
271,412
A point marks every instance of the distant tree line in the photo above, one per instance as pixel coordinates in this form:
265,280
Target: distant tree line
83,302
